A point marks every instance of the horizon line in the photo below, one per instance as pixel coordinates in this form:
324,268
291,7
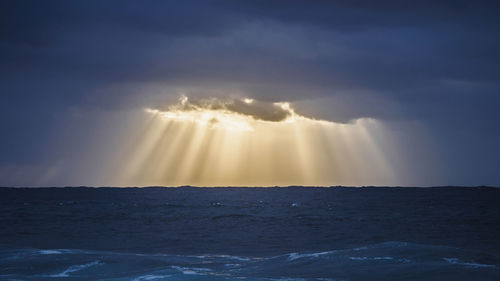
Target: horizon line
274,186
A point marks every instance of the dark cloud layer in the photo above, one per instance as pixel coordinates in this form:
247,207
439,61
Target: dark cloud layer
259,110
435,62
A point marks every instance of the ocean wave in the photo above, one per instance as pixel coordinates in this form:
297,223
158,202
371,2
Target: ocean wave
150,277
192,270
340,264
50,252
370,258
75,268
295,256
471,264
237,258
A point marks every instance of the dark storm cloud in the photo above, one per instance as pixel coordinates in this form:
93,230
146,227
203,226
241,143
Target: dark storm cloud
432,61
123,41
355,15
392,45
259,110
39,21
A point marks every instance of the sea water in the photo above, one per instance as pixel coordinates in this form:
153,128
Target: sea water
295,233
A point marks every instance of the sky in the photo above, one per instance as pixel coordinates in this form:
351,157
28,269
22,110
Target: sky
423,77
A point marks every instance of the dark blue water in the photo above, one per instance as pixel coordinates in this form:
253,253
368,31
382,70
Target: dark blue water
250,233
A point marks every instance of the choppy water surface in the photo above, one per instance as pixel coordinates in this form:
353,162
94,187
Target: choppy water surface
250,233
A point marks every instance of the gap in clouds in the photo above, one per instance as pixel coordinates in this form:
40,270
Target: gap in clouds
220,142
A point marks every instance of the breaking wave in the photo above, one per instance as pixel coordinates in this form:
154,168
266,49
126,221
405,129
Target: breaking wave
371,262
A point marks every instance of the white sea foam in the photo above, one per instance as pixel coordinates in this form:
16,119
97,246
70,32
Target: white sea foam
470,264
234,258
287,279
150,277
49,252
57,251
191,270
294,256
75,268
224,256
370,258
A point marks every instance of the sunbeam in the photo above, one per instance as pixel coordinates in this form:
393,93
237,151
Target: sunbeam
245,142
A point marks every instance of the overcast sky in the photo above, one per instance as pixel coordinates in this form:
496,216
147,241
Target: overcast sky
431,63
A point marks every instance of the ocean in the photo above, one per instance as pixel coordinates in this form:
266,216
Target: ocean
292,233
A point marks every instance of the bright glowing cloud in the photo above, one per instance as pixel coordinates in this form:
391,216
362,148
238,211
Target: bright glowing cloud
229,114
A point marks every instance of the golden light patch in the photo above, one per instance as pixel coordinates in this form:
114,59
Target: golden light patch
232,142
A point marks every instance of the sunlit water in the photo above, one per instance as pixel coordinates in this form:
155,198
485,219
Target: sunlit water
250,233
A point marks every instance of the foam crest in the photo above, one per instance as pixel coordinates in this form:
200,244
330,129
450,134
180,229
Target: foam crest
75,268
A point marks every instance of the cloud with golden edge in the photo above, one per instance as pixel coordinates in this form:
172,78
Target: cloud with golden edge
230,113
